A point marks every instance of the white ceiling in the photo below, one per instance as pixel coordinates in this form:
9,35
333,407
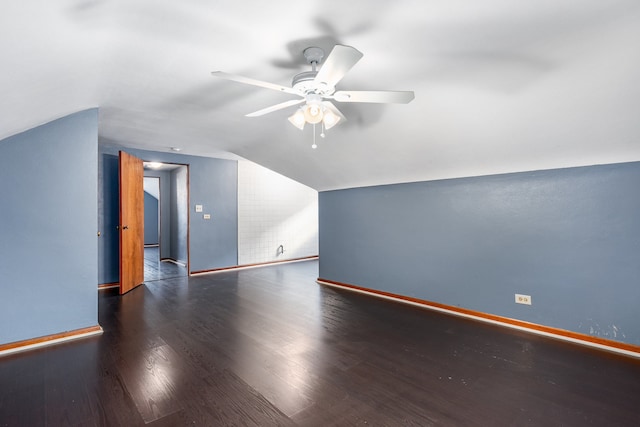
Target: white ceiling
500,85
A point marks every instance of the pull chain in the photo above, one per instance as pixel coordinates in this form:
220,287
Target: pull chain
314,146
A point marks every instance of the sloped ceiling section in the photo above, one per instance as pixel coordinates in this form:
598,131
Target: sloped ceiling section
500,86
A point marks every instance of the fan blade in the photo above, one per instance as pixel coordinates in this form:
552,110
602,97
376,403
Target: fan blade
340,60
374,96
276,107
254,82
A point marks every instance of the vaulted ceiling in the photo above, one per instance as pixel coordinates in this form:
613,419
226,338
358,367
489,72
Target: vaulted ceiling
500,86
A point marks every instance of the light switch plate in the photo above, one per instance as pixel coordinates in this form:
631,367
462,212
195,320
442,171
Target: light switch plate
198,208
206,216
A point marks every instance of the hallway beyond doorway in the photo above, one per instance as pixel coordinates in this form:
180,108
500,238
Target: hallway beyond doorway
155,269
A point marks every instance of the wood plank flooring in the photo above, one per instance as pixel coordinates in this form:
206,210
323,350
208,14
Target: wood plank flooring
270,347
154,269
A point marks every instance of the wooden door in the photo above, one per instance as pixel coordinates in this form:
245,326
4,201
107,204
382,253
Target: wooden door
131,222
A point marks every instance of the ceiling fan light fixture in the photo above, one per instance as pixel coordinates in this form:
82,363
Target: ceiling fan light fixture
313,113
298,119
330,119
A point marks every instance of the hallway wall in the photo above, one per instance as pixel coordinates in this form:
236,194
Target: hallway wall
179,206
151,217
165,210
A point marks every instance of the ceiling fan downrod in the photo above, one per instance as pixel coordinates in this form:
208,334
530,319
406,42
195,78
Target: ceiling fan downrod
313,55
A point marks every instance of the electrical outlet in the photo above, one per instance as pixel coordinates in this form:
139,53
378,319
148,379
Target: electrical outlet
523,299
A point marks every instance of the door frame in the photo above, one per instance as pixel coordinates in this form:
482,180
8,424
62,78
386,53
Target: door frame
188,210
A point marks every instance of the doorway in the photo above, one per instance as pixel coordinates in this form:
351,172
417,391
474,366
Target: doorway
166,249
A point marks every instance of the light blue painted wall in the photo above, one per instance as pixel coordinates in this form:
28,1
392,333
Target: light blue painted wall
108,218
179,214
48,250
212,183
570,238
165,211
151,220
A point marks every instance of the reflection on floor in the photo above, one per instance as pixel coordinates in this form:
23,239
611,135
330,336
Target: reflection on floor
154,269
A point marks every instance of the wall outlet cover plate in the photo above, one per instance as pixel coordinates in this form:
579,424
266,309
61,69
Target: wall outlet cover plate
523,299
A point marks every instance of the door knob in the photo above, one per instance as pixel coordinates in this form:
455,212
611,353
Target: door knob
125,227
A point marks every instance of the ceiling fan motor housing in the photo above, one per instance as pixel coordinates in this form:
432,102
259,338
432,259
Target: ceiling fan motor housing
305,83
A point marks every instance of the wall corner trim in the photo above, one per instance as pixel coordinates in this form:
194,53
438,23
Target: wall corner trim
33,343
547,331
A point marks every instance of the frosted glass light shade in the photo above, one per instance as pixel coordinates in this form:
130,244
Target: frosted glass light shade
313,113
297,119
330,119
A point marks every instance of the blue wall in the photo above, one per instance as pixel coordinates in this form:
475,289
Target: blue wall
165,210
570,238
179,214
212,183
48,251
108,218
151,217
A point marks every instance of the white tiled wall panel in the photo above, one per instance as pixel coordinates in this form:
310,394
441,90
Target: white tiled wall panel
274,210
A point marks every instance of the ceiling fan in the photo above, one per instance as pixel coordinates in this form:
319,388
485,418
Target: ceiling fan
317,88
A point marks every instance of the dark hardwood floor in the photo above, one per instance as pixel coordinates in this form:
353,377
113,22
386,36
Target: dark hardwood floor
270,347
154,269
